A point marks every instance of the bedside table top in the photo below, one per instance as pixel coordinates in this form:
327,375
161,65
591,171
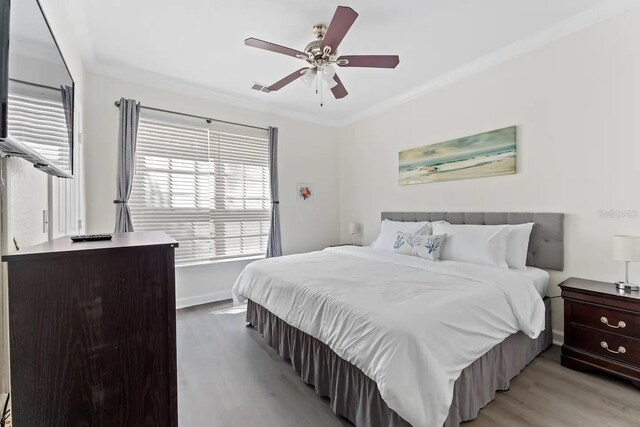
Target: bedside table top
596,287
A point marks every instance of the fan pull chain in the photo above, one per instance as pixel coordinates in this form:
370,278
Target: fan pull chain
321,103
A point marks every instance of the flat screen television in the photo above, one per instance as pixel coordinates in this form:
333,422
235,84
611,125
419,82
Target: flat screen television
36,90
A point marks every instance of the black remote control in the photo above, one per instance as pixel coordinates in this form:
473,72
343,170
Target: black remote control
90,237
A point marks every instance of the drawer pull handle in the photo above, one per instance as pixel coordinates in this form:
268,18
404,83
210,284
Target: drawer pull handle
621,349
621,324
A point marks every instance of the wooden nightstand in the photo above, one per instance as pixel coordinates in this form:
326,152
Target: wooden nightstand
601,328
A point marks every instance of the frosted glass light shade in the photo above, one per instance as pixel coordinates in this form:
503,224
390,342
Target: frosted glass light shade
626,248
354,227
329,72
308,77
329,81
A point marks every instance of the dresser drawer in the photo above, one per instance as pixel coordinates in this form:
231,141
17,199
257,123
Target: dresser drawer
606,319
616,347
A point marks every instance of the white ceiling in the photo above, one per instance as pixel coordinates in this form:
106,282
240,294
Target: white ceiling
199,44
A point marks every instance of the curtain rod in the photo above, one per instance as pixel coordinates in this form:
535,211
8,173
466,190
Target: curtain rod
207,119
35,84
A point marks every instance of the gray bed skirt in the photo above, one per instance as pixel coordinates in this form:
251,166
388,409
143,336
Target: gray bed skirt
356,397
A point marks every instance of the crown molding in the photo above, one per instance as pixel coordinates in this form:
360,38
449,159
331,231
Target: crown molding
578,22
173,84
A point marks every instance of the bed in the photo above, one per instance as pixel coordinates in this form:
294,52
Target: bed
393,340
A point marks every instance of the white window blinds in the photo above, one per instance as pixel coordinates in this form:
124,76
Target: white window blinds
39,121
204,185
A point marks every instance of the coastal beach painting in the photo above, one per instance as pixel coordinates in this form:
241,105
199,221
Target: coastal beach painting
486,154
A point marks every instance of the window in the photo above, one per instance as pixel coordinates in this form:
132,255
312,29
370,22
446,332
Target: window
207,186
39,121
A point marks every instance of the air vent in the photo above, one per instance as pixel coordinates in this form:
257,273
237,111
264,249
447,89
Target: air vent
260,87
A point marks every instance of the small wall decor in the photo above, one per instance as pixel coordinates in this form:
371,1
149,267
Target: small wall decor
304,192
486,154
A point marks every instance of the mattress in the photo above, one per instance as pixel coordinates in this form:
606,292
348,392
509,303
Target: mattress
410,325
540,279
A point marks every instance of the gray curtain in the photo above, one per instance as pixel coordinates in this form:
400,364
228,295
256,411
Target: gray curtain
274,245
127,135
67,104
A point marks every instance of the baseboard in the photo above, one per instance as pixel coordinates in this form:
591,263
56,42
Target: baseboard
202,299
558,337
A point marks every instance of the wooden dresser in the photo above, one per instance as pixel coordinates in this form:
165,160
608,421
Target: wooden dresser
601,328
92,332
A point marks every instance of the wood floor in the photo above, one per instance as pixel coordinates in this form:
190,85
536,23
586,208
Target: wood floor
228,376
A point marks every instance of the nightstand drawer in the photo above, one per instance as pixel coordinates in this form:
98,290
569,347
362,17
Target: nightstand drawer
608,345
606,319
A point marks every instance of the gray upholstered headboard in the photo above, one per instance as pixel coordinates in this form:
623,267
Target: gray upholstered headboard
546,244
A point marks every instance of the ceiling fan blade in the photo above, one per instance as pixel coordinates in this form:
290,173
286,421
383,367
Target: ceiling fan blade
373,61
339,91
285,81
342,20
261,44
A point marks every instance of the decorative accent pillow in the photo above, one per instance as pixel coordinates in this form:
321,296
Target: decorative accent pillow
389,229
430,247
404,242
421,245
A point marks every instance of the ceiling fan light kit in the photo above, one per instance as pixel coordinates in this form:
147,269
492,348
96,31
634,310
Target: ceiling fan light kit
322,54
329,81
308,77
328,71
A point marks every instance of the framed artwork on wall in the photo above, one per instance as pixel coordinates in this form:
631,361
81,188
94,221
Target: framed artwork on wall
486,154
304,192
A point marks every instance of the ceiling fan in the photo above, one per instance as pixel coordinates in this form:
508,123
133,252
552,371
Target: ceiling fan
322,53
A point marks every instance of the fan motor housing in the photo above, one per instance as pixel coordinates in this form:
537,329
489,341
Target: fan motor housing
314,48
317,55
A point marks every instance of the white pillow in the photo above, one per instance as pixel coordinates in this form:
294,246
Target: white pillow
389,230
475,244
518,245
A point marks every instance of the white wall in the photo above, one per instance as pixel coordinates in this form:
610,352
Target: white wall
576,103
27,194
307,153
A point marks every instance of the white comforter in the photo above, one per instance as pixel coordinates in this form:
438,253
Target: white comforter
409,324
